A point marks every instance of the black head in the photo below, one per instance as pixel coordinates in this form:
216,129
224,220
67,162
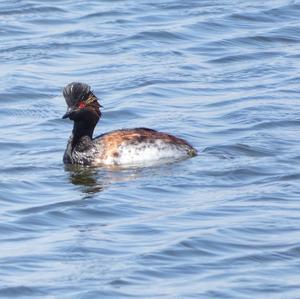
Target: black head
83,109
79,98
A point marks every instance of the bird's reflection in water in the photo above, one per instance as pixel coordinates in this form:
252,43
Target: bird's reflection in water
85,177
93,180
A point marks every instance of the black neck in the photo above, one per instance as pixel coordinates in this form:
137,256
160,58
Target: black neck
84,126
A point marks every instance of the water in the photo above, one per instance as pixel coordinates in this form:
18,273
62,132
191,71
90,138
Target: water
222,74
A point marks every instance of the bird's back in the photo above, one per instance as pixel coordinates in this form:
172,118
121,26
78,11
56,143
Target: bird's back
139,145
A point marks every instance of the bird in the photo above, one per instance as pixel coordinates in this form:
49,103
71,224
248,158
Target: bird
122,147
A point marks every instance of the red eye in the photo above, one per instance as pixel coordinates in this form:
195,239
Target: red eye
81,105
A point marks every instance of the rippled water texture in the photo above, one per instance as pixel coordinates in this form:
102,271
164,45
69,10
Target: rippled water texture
222,74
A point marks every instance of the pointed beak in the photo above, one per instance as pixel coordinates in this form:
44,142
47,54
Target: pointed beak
69,111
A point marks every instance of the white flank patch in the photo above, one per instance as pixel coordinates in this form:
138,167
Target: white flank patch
145,152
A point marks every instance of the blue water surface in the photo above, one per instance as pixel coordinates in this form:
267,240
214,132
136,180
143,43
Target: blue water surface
225,76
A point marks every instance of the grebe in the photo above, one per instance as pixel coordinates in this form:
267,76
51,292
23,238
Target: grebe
123,147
